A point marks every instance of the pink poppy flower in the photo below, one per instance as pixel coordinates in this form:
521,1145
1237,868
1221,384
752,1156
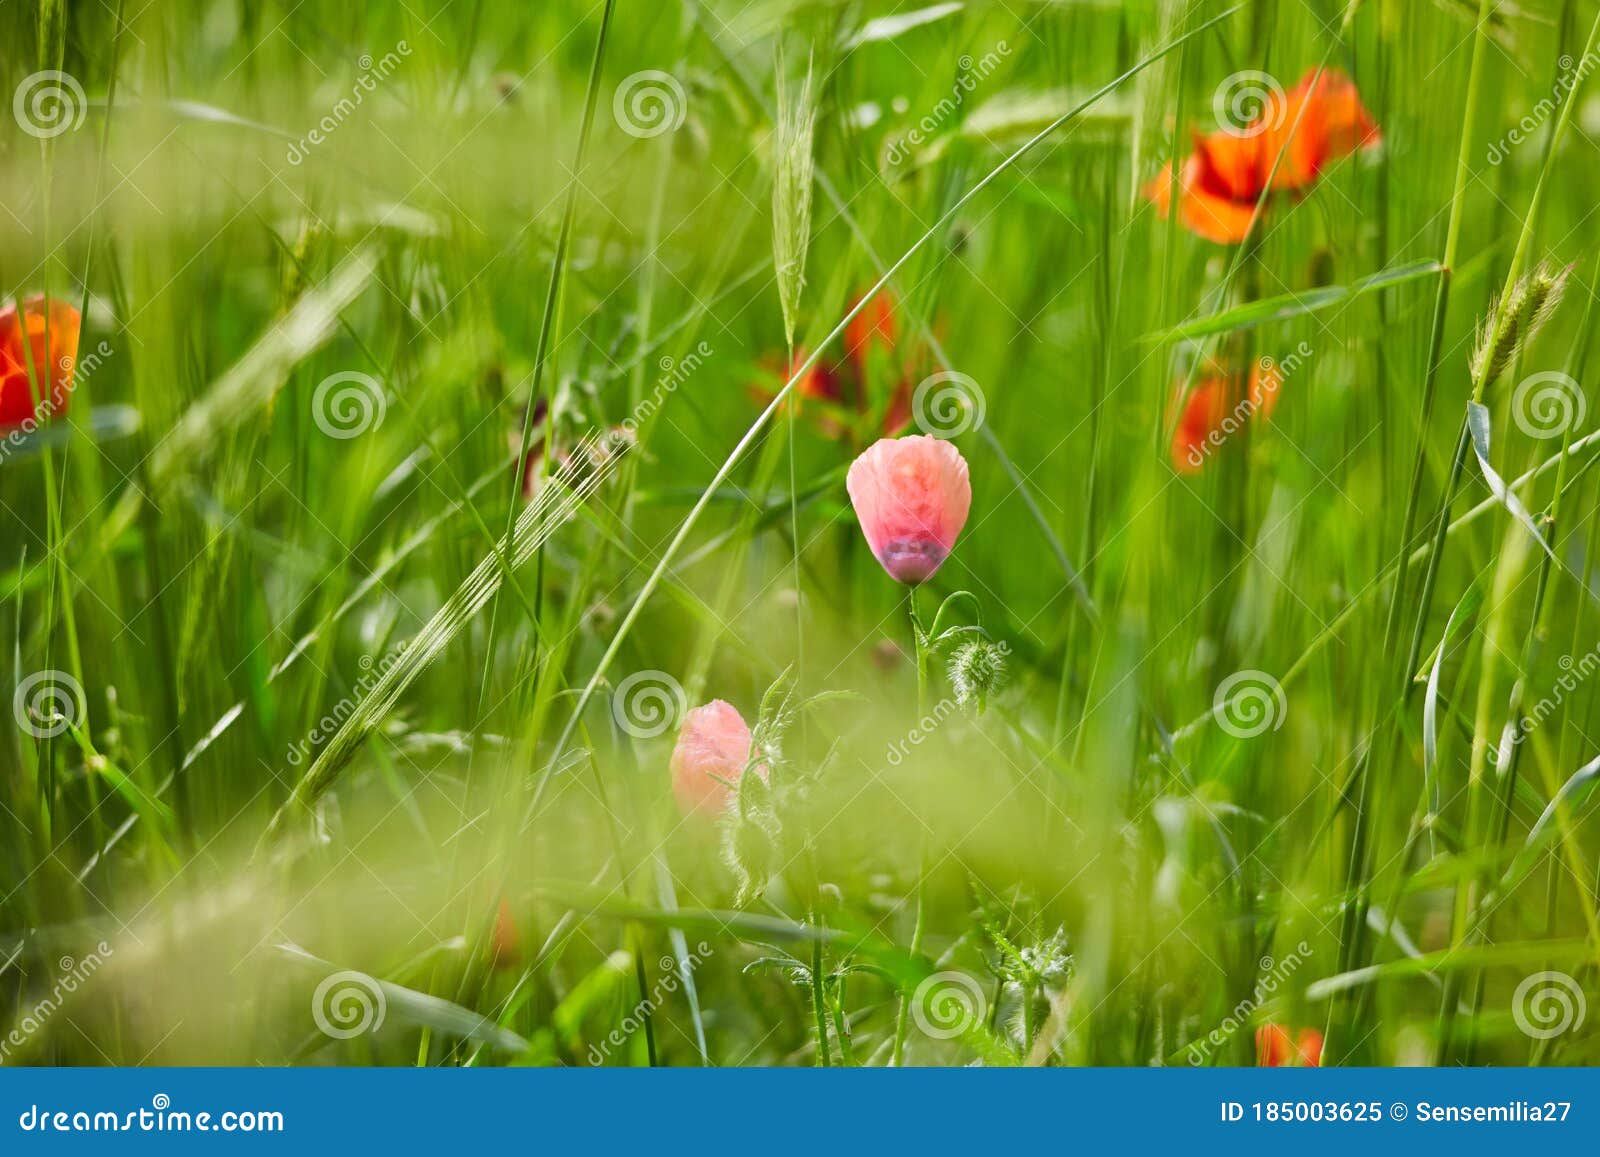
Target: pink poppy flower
713,747
912,496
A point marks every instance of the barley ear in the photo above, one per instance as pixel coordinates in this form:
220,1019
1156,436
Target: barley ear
791,192
1512,323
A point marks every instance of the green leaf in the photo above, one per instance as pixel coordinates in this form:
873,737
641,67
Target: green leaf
1288,305
890,27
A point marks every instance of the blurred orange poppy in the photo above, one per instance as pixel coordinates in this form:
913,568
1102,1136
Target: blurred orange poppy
1208,419
53,357
1275,1048
874,325
1284,147
505,940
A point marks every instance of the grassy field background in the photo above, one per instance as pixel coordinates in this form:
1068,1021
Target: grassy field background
328,744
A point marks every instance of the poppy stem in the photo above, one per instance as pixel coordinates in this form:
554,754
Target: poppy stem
920,643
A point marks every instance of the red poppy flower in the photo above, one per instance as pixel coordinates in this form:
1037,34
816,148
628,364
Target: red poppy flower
1319,121
53,355
1216,408
1275,1048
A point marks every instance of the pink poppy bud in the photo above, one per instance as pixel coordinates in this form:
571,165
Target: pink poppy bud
912,496
713,746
